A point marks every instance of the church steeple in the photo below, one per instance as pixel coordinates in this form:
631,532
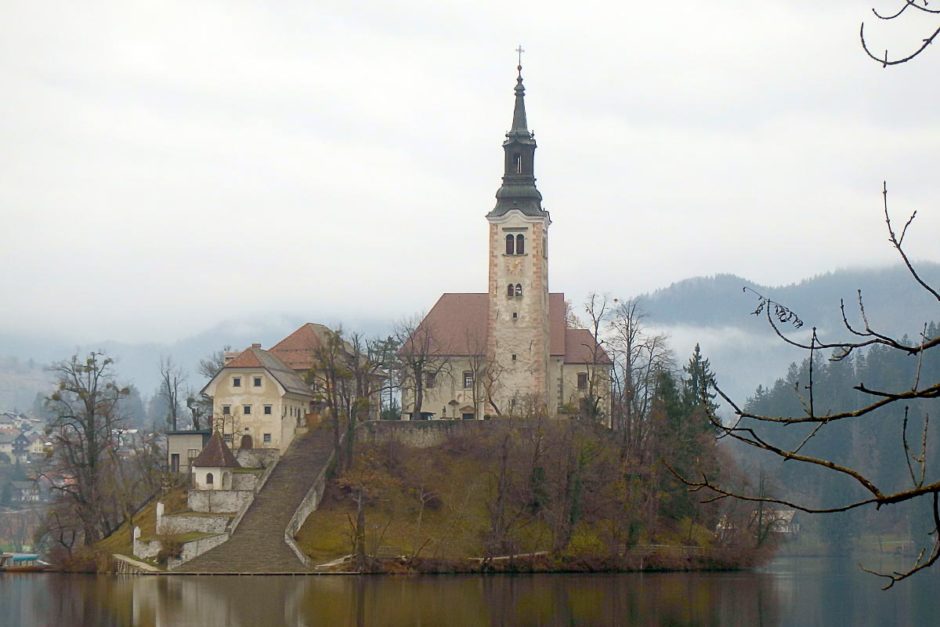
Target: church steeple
518,190
519,124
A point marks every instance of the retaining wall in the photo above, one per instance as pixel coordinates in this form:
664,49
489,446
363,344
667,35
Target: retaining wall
216,501
417,433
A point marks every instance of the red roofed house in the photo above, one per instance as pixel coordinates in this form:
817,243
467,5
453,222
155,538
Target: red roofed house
258,401
496,352
260,397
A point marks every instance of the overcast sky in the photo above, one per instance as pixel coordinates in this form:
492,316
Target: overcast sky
167,165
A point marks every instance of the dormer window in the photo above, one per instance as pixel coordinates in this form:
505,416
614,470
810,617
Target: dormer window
510,244
520,244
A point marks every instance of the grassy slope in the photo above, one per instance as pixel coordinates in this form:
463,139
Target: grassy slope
121,540
453,527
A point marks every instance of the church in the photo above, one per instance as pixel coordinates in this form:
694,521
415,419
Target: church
510,350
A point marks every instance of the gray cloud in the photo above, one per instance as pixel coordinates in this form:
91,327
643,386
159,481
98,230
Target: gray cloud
169,165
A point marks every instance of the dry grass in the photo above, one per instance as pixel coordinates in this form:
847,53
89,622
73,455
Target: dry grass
121,540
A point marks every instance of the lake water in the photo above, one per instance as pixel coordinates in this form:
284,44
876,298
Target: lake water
791,591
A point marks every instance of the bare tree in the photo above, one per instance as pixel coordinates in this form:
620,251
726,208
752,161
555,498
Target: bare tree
598,309
638,357
85,419
921,6
172,379
211,364
332,382
924,483
420,358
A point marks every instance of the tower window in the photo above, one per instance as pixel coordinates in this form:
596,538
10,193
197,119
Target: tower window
518,289
514,315
520,244
510,291
517,163
514,357
510,245
209,478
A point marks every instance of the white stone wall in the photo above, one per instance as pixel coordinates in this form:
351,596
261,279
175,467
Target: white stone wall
174,524
448,397
218,501
221,478
570,394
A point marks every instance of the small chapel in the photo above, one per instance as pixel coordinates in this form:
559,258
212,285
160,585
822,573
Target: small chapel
511,347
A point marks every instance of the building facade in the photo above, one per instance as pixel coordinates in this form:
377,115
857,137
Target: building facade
509,350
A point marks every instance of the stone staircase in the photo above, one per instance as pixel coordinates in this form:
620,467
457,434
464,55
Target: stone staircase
258,546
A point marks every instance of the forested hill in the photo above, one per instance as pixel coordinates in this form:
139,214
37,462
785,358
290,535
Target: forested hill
715,312
893,301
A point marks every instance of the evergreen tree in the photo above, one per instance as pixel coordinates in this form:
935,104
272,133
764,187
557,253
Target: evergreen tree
697,387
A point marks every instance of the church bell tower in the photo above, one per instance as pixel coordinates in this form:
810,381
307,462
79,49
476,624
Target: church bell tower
518,328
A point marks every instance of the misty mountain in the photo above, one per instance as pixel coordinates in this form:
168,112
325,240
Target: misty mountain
23,359
712,311
744,352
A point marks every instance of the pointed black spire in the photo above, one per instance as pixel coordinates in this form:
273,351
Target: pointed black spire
518,112
518,190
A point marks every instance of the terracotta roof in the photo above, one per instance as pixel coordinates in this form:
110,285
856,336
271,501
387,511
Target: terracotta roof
457,327
255,357
298,350
579,348
216,454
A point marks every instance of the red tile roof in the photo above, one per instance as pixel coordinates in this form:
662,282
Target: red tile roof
457,325
255,357
216,454
298,350
579,348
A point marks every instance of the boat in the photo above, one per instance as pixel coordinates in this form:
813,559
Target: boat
22,563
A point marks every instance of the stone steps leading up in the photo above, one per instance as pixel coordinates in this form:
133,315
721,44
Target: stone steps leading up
257,546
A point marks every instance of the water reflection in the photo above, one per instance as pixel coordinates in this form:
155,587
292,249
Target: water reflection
790,592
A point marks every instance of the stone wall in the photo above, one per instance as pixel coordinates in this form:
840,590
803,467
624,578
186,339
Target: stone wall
245,480
218,501
307,506
145,549
195,548
256,457
191,523
417,434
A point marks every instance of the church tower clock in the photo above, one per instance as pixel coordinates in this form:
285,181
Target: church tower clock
518,327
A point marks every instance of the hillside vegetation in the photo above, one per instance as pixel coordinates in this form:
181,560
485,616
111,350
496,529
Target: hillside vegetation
498,490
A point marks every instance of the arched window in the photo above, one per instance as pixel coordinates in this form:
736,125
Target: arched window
510,245
209,478
517,163
520,244
510,291
518,289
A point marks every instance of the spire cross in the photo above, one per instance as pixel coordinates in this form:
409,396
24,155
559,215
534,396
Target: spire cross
520,50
